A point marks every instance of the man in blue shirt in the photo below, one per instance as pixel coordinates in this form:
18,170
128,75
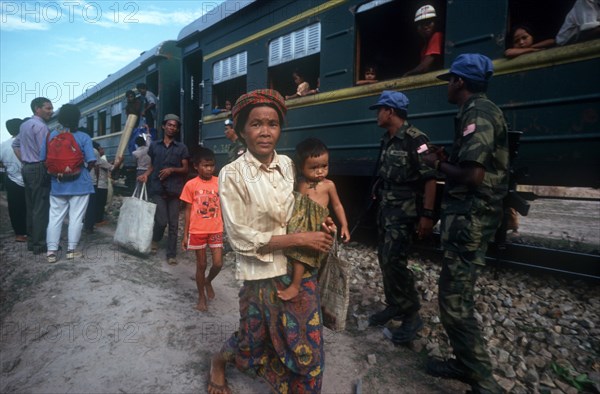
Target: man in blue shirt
27,146
166,176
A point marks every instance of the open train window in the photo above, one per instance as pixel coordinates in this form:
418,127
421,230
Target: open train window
101,123
90,124
115,117
298,51
387,36
542,17
229,79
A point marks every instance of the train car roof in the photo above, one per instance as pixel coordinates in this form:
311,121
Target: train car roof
158,51
224,10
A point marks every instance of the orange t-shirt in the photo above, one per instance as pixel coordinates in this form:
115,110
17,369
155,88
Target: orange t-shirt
434,46
205,217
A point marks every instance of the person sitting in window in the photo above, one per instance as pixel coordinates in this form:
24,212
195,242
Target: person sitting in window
218,110
581,23
522,39
302,86
370,75
431,52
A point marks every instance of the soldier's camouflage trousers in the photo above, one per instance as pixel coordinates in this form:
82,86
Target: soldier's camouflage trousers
456,289
395,232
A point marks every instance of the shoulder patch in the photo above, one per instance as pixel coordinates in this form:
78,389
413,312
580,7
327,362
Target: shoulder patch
469,129
413,132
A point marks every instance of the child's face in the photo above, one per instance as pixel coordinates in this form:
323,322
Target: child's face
205,168
315,169
522,39
370,74
297,79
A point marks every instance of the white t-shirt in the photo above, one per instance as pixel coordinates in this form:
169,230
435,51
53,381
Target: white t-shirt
11,162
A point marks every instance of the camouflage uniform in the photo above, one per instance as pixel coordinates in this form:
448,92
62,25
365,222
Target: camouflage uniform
401,175
470,217
235,150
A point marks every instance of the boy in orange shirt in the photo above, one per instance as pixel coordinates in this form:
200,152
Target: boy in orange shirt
203,223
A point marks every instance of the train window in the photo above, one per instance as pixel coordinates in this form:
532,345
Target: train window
542,17
229,79
90,124
387,36
115,117
101,123
298,51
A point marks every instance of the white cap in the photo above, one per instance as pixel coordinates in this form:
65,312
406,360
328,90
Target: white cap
425,12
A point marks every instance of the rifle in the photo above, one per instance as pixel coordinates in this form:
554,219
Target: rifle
373,185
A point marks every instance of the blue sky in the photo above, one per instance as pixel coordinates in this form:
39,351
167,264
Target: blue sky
57,49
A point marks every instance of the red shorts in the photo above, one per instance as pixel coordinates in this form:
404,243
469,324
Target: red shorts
199,241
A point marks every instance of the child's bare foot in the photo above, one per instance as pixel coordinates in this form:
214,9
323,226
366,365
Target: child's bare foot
289,293
210,292
217,384
202,307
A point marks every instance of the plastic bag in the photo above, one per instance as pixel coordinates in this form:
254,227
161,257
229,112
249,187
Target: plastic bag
334,282
136,221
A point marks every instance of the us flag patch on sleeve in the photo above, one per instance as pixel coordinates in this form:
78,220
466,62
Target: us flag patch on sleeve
469,129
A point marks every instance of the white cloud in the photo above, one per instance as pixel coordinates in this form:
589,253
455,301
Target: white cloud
159,18
110,56
15,23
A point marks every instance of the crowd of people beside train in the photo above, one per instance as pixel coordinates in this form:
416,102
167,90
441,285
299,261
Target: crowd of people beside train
275,210
279,226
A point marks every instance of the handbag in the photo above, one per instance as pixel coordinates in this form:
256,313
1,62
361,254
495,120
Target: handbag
136,222
334,283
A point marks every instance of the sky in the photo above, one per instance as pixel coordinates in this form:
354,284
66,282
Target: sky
58,49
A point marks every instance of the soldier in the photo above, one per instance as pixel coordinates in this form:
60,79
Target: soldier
476,182
406,188
237,147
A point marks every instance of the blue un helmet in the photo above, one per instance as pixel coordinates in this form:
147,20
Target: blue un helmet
472,66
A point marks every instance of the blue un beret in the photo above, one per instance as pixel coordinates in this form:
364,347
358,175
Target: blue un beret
392,99
472,66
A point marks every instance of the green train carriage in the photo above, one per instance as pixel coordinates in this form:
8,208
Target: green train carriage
552,95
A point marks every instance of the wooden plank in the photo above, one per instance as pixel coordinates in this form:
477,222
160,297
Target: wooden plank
131,121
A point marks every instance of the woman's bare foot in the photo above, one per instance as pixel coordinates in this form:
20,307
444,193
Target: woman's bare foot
210,292
217,384
202,307
289,293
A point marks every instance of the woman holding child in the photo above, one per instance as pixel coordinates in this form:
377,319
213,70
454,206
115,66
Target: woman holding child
280,341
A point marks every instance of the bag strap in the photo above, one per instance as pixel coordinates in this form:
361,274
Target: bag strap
143,195
335,247
144,192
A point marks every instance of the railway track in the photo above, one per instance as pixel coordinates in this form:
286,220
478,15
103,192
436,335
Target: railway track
563,262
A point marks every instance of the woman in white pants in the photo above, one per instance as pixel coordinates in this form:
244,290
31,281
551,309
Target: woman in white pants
69,195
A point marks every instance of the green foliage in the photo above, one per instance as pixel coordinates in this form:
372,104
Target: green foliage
572,377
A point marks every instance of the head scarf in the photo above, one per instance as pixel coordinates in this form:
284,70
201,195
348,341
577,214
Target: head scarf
259,96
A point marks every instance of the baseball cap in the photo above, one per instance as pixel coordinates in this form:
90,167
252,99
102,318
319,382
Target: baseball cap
228,122
171,117
425,12
392,99
472,66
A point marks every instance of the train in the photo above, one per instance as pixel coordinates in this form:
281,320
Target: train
551,96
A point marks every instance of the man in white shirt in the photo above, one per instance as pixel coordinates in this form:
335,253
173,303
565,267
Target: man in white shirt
15,188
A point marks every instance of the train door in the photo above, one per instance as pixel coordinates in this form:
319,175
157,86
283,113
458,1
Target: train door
153,85
192,105
387,39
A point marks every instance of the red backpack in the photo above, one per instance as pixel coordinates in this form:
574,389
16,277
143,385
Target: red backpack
64,158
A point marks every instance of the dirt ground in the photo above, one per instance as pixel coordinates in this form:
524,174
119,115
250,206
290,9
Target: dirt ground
113,322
